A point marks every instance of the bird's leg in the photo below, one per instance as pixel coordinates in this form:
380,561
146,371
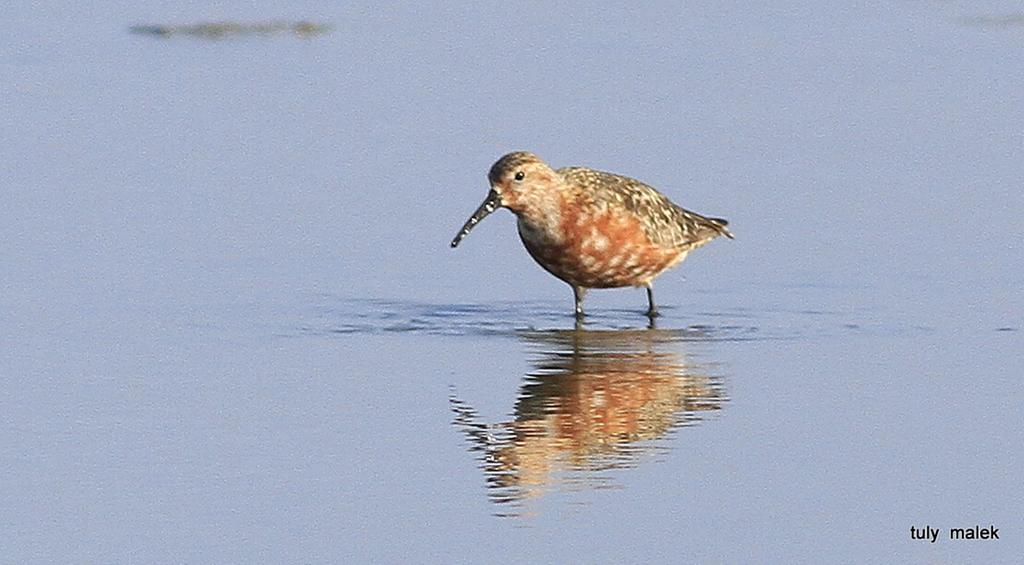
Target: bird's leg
578,292
652,310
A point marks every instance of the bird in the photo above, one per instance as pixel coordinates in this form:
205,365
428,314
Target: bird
593,229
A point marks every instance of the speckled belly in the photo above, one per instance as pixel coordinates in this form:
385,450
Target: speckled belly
598,251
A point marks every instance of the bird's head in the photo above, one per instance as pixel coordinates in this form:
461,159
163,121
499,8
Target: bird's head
518,181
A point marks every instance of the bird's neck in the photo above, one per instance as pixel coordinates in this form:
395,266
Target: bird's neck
540,215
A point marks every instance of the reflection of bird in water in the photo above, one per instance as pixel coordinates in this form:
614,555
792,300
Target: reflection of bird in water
595,401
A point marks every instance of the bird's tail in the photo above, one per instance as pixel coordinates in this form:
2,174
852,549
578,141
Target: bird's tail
720,226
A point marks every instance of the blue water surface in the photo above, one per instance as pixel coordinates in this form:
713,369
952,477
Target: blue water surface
232,330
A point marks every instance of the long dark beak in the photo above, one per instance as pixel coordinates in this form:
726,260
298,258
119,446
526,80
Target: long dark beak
491,203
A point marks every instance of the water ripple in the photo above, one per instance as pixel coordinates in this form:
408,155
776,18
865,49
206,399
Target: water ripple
333,316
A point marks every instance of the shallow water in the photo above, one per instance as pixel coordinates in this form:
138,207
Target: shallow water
232,330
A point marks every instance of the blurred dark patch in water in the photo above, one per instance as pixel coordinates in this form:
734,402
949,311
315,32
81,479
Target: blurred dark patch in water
595,402
225,30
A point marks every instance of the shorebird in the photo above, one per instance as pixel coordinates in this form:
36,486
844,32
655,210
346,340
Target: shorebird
593,229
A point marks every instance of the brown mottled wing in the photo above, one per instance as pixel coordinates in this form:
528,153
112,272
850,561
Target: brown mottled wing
664,223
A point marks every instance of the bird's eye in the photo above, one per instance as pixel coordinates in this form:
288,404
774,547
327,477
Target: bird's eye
520,175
